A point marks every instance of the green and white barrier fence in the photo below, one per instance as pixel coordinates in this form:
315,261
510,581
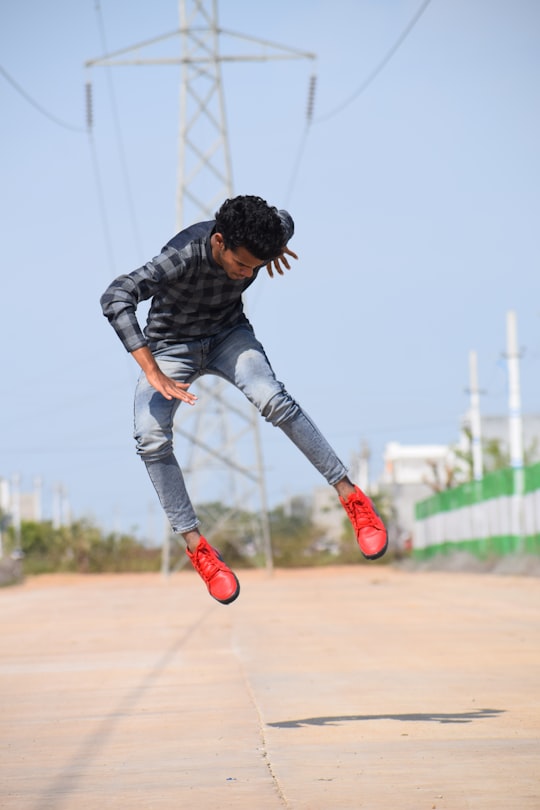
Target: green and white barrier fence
498,515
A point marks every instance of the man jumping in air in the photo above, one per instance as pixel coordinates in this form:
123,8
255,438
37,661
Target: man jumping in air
196,325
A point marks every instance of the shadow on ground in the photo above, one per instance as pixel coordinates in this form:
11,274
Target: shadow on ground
432,717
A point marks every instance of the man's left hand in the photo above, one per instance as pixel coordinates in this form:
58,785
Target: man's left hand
276,264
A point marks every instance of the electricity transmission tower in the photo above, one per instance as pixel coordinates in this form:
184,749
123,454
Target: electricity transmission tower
222,458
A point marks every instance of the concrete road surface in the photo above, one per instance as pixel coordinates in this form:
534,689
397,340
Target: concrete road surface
331,689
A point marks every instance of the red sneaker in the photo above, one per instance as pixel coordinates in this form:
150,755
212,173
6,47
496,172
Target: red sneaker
220,580
369,528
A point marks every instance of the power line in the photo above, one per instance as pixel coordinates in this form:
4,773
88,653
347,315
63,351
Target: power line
380,66
36,104
309,119
88,130
365,84
119,138
102,206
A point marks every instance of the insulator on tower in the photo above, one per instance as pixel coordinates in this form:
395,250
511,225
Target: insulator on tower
89,109
311,97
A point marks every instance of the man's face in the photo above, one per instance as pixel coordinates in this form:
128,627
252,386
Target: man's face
238,263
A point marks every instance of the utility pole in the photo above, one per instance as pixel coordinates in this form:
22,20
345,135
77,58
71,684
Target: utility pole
515,426
16,513
221,428
476,434
479,516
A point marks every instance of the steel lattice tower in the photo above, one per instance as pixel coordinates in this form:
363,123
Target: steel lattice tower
221,453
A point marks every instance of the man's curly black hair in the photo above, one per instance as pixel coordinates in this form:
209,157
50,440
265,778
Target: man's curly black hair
249,222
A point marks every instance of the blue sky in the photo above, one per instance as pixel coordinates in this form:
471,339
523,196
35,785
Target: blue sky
416,207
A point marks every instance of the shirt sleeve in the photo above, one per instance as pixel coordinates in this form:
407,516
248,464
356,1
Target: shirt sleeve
120,299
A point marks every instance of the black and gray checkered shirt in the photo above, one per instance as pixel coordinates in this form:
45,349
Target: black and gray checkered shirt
192,296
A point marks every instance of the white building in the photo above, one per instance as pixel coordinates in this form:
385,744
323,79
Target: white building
413,472
417,463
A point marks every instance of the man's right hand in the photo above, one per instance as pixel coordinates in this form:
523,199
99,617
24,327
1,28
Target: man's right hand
166,386
169,388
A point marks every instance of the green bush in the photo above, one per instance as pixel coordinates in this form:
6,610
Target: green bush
80,548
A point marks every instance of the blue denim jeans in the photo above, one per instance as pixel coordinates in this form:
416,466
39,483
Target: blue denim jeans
237,356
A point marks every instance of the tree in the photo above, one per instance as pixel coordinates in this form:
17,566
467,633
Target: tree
494,454
80,547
